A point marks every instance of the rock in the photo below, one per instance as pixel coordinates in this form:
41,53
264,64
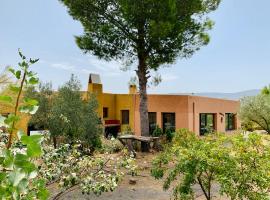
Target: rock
132,181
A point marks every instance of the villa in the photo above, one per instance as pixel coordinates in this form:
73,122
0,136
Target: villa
121,111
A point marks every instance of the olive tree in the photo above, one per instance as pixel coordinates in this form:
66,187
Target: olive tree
238,165
256,110
149,33
44,95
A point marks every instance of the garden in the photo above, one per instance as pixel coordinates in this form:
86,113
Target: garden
73,160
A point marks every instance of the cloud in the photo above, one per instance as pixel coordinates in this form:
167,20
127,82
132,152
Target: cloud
169,77
107,69
64,66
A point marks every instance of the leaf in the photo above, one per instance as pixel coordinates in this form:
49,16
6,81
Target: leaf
11,119
28,109
18,74
6,99
33,81
11,70
33,61
9,159
22,162
30,101
2,160
34,110
2,176
43,194
33,145
14,88
22,186
15,177
21,55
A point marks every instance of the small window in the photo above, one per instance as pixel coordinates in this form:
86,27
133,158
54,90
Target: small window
152,121
125,116
168,121
207,123
230,121
105,112
4,114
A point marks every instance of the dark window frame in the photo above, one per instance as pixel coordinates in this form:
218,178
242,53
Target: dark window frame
152,125
4,114
105,112
204,120
173,126
230,121
125,117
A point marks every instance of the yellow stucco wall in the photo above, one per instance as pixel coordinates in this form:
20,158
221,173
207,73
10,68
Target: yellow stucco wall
186,108
115,104
24,118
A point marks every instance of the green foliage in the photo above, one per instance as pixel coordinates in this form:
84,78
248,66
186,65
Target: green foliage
159,29
266,90
255,111
157,132
78,118
68,105
239,164
92,127
111,146
69,166
169,132
126,130
245,173
152,33
65,114
44,96
17,170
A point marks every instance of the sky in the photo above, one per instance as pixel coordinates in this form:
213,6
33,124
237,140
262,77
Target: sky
237,58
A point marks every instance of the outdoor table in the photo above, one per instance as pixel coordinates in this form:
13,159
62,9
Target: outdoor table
128,141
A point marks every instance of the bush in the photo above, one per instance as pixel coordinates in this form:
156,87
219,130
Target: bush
111,145
238,163
66,115
169,132
157,132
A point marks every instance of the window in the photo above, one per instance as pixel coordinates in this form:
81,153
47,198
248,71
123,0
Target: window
152,121
168,121
105,112
125,116
4,114
207,123
230,121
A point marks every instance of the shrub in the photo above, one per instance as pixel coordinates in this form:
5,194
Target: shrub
238,163
112,145
169,132
18,172
157,132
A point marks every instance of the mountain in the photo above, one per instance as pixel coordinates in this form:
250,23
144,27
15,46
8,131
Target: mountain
232,96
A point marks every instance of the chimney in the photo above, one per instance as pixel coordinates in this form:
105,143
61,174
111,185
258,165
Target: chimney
133,89
94,84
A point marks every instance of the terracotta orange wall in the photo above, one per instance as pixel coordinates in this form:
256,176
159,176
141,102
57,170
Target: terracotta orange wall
187,110
218,107
165,104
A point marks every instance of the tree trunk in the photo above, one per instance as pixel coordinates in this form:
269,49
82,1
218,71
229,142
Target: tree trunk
142,75
54,142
